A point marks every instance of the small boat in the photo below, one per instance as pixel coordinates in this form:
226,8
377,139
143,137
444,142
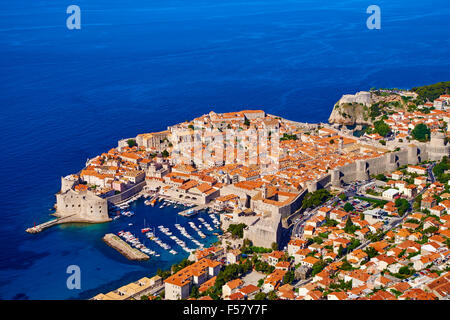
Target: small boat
145,229
130,224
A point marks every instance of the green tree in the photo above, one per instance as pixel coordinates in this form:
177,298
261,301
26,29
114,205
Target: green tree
348,207
260,296
272,295
317,267
287,136
382,128
421,132
315,198
330,223
440,168
288,277
353,244
163,274
405,270
274,246
432,91
181,265
237,230
346,266
194,292
260,282
165,153
341,251
349,226
371,252
318,240
131,143
417,201
402,205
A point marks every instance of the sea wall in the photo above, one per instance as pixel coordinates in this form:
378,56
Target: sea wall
363,169
127,193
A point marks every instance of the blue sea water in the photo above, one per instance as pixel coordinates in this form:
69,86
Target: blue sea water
140,65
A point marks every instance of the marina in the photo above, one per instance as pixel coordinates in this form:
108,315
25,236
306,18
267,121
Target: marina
173,235
135,242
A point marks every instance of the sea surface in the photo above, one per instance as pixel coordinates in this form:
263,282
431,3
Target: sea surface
140,65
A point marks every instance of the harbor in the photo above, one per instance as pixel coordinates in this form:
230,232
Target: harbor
154,226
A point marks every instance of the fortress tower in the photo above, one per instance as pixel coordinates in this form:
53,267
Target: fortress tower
336,178
312,186
437,148
413,154
391,162
361,170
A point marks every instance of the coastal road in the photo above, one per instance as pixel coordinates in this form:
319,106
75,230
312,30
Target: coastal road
431,174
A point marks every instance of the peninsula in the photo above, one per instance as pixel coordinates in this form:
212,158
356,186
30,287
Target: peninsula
256,167
365,200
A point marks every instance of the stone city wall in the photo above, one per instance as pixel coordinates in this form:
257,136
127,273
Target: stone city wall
127,193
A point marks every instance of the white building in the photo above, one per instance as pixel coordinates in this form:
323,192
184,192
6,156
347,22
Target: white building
390,194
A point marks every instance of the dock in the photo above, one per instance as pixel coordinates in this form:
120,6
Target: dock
195,209
48,224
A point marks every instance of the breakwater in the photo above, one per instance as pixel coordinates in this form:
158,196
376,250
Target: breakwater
125,249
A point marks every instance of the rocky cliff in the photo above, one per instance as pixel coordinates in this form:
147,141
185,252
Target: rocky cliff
352,109
356,108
